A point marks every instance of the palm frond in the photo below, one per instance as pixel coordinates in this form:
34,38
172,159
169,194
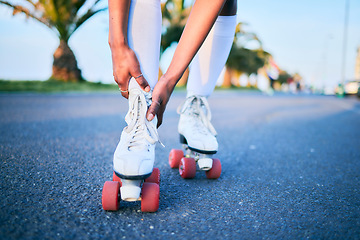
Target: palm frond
78,4
62,16
26,11
86,16
31,2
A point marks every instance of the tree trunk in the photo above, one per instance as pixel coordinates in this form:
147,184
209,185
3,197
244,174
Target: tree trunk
237,75
160,74
65,65
183,80
227,78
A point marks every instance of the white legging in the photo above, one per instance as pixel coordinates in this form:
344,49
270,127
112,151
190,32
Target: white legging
144,34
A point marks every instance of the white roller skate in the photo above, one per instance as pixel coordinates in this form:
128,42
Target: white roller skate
134,177
198,137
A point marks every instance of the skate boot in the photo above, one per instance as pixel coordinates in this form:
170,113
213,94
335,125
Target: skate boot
198,137
135,155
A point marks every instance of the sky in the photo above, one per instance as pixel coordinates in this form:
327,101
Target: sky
305,37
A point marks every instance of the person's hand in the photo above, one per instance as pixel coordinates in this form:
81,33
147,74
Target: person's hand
160,97
125,66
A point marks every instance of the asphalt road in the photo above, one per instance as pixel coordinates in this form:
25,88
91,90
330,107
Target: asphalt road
291,170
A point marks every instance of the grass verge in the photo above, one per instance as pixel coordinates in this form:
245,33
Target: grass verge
54,86
51,86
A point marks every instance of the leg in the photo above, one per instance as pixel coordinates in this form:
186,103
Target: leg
144,35
210,60
135,154
229,8
195,127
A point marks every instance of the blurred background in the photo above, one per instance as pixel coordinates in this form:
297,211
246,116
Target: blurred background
279,45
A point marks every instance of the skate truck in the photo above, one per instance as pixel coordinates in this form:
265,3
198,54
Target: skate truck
193,160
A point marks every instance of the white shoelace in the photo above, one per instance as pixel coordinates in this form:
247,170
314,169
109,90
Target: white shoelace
194,107
137,124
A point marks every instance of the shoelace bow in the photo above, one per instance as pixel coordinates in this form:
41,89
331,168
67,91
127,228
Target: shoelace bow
194,104
141,128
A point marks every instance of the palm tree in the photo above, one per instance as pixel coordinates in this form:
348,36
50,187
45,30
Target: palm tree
175,15
63,17
242,59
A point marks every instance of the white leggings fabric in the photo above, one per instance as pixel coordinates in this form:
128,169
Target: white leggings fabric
144,36
208,63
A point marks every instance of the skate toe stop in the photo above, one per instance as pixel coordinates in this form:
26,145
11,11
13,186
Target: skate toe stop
205,164
130,190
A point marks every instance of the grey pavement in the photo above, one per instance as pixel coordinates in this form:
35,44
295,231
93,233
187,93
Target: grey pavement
291,170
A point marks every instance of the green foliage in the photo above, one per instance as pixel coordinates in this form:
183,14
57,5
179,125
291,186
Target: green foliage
284,77
172,34
244,59
62,16
175,15
54,86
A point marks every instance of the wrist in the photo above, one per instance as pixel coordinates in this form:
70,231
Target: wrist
169,81
119,50
118,43
175,71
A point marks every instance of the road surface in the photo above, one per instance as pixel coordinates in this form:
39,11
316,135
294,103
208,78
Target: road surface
291,170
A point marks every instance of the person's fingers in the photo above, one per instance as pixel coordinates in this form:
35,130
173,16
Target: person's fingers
135,71
124,93
142,82
123,85
153,110
160,115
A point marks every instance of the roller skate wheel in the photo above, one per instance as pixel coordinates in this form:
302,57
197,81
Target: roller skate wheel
187,168
175,156
150,197
110,196
154,177
215,171
116,178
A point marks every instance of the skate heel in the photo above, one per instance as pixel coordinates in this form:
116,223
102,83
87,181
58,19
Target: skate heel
130,190
182,139
205,164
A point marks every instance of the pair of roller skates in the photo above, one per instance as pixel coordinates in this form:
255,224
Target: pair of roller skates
134,178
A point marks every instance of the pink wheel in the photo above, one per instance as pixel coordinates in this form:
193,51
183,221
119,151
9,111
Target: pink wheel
116,179
187,168
110,196
175,156
154,177
215,171
150,194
